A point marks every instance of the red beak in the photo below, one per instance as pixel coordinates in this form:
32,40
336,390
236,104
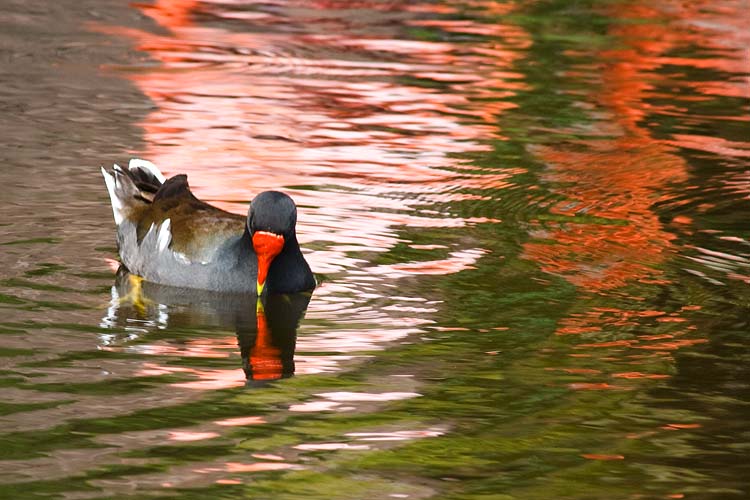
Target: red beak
267,246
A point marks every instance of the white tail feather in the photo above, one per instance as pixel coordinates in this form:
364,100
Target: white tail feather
117,208
136,163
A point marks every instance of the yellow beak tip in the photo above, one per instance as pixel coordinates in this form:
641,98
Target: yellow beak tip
260,287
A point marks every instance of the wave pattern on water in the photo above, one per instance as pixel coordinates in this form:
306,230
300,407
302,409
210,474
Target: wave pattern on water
529,224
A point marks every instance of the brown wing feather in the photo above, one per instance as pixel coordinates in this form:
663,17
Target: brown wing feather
197,228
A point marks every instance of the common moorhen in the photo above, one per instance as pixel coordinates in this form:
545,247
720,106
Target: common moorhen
166,235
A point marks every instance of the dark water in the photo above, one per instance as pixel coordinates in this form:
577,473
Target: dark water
530,221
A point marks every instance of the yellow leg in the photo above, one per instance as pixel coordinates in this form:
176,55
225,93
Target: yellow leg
135,295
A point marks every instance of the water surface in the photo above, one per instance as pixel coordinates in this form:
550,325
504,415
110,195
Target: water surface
528,219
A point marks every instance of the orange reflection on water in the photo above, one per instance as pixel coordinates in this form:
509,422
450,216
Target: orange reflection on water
258,466
608,239
456,262
595,386
191,436
723,147
619,179
207,379
639,375
240,421
616,182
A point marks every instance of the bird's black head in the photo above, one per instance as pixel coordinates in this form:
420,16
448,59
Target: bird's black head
270,221
272,212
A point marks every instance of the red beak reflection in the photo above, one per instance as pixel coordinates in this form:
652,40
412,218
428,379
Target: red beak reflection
265,359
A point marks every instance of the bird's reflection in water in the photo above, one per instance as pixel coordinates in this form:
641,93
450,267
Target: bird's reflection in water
266,330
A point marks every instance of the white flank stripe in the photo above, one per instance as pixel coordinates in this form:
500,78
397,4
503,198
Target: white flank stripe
165,236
